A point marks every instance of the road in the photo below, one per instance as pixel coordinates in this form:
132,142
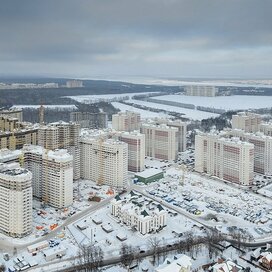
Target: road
9,244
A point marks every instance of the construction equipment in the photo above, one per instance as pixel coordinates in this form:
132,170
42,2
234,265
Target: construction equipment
183,170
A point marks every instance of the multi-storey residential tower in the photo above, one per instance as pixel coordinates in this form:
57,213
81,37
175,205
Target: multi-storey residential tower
161,141
247,121
136,149
200,90
89,119
228,159
15,200
126,121
104,161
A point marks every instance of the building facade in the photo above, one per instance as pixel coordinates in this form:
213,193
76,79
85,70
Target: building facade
266,128
262,149
247,121
161,141
136,150
104,161
142,219
126,121
15,200
89,119
229,159
200,90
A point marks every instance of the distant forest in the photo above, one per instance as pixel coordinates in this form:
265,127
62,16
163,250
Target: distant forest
56,96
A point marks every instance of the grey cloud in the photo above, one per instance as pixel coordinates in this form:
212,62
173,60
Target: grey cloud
168,37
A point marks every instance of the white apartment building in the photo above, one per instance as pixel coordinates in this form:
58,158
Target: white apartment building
200,90
74,83
52,172
161,141
104,161
262,149
57,178
143,219
266,128
136,150
15,200
247,121
126,121
229,159
182,130
61,135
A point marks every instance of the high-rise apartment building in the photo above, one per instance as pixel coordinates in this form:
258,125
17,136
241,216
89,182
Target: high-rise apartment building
15,200
57,178
52,172
89,119
262,149
126,121
228,159
247,121
266,128
182,130
136,149
62,135
13,113
161,141
200,90
74,83
104,161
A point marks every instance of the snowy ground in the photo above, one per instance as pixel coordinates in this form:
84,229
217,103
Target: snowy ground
144,113
188,113
216,203
234,102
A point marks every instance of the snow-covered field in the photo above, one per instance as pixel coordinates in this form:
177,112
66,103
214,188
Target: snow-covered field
144,113
234,102
188,113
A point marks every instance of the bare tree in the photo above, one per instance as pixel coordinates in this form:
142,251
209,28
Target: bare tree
2,268
154,244
126,254
90,257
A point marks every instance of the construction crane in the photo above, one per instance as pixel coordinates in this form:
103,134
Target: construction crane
101,162
22,160
183,170
45,180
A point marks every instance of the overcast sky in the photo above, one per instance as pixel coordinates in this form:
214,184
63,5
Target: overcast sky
170,38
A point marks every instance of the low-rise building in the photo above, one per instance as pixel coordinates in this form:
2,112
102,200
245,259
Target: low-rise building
180,263
134,215
149,175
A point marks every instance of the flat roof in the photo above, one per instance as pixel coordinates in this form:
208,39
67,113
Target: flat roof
148,173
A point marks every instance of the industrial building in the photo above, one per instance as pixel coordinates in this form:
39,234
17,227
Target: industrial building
149,175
